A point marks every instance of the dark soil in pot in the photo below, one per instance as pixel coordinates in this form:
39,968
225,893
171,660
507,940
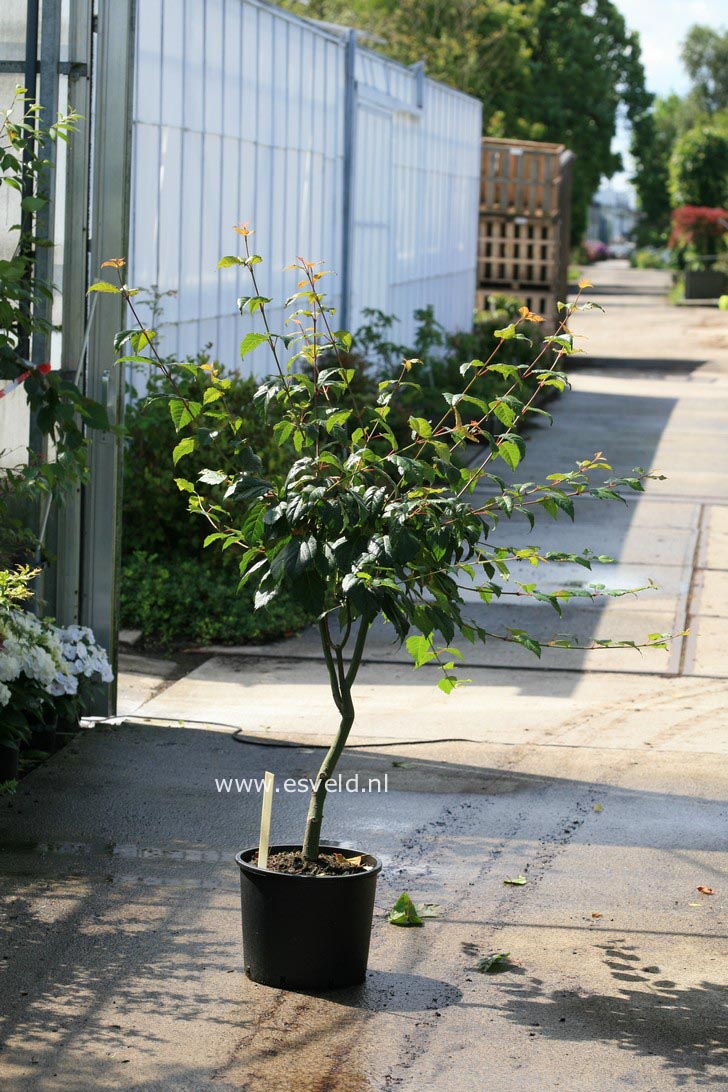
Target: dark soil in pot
307,930
328,864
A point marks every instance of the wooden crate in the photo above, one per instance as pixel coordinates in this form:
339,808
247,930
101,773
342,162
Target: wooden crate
525,218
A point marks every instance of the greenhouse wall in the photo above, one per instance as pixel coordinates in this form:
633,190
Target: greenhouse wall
243,112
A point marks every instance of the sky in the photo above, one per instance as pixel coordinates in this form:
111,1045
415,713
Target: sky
662,26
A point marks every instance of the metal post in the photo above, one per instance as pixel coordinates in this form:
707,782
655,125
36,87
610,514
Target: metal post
75,283
347,245
50,52
105,379
47,88
419,70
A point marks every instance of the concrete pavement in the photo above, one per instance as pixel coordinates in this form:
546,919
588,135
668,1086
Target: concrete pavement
599,776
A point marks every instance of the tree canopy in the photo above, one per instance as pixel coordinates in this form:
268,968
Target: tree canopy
679,145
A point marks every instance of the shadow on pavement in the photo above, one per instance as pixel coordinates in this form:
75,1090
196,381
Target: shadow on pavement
654,1017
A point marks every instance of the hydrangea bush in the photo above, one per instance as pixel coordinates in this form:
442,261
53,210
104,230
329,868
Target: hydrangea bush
43,667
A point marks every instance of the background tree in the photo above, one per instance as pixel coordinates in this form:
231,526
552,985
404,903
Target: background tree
677,145
705,56
699,168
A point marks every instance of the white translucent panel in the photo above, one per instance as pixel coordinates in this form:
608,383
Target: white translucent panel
248,105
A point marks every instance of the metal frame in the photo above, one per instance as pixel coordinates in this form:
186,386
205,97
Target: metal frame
101,525
350,106
75,282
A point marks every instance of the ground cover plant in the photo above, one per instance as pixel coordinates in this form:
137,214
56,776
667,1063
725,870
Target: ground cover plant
364,525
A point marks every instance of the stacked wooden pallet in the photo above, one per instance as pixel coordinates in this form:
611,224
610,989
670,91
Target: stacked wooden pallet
525,214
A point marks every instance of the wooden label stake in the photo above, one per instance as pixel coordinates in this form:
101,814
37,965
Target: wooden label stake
265,819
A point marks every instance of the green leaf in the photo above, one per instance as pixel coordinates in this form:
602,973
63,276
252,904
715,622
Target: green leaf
509,332
420,649
104,286
250,342
212,394
184,447
228,260
184,486
33,204
212,477
517,881
214,537
447,684
183,412
404,912
509,453
338,417
141,340
492,964
420,427
521,638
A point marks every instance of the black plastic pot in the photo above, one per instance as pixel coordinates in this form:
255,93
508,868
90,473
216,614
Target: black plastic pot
306,932
703,284
43,737
9,762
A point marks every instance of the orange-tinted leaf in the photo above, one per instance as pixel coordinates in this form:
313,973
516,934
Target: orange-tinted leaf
114,263
584,283
597,915
243,229
705,890
528,315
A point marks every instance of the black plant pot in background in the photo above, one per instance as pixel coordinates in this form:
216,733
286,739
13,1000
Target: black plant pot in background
703,284
306,932
43,734
9,759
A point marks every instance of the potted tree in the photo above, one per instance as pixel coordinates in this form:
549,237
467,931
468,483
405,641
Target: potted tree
362,525
697,235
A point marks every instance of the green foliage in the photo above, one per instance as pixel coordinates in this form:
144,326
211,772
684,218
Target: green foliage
60,410
365,525
699,168
657,132
177,600
705,56
439,356
150,435
648,258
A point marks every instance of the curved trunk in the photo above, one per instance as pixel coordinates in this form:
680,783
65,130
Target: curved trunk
341,681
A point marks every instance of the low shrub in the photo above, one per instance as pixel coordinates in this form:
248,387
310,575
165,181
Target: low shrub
178,600
649,258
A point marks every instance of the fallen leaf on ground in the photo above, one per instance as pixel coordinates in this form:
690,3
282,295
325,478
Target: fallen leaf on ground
598,807
518,881
428,909
404,912
597,915
492,963
705,890
404,765
695,904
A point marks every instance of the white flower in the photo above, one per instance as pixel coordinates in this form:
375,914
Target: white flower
4,694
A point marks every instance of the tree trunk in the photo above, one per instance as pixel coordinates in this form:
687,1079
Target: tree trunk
341,683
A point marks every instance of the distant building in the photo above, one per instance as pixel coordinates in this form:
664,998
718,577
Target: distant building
612,215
